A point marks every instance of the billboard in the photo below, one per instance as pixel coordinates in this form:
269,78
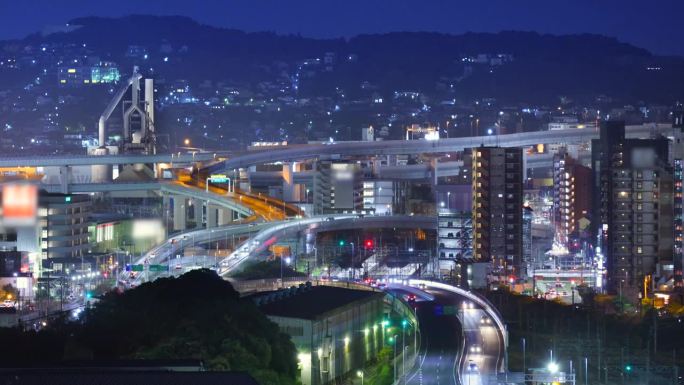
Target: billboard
19,204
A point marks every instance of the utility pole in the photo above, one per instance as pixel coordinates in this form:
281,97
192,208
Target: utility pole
524,358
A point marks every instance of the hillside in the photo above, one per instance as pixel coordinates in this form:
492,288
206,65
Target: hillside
543,66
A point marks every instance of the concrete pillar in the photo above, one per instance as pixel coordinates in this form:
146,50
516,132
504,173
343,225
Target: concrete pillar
179,213
198,210
245,184
225,217
166,214
435,169
288,182
212,216
64,179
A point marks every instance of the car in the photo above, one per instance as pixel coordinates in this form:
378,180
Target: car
411,298
8,303
330,219
475,348
485,320
472,366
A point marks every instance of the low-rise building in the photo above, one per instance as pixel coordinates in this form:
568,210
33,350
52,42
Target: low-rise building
336,330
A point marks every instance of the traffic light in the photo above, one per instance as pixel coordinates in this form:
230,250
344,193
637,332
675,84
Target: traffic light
341,242
89,295
628,368
369,243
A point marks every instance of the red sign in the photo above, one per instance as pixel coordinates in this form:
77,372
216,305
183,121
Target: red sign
19,204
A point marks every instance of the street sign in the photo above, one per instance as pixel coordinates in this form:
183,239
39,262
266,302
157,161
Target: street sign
137,268
219,178
159,268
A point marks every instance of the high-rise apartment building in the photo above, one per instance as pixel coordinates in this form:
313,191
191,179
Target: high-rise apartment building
497,208
633,199
571,195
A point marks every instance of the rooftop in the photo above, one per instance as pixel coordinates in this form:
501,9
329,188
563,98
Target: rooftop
315,301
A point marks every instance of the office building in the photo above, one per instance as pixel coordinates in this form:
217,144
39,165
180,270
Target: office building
497,208
378,197
338,188
63,221
633,198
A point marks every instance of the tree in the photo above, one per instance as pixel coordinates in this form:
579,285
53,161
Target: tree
195,316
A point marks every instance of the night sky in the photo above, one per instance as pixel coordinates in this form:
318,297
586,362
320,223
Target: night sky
651,24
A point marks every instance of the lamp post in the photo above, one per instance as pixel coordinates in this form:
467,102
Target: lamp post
586,370
287,261
359,373
403,349
394,357
524,361
352,261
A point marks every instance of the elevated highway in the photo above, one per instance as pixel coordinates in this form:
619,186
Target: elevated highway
403,147
231,202
263,234
91,160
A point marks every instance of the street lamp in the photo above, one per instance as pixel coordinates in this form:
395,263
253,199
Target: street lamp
359,373
287,261
393,339
552,367
403,349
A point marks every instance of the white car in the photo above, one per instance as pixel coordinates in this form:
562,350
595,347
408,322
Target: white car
472,366
8,303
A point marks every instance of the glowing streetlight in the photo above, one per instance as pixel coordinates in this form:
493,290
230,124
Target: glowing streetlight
186,141
552,367
359,373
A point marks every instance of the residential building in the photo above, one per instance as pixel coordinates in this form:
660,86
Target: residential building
497,207
633,198
571,195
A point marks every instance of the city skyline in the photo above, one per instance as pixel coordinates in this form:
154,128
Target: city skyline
185,203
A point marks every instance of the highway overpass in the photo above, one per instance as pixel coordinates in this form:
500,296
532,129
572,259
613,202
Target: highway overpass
91,160
406,147
263,234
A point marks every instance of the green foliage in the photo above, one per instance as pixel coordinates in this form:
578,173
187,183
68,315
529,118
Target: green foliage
267,269
384,376
195,316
